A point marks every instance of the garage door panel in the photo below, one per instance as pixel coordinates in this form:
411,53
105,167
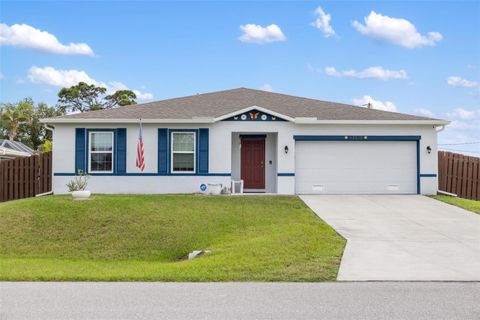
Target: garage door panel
355,167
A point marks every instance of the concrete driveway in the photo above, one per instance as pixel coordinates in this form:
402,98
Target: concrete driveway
403,238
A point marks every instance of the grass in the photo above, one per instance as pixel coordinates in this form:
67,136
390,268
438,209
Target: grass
471,205
140,237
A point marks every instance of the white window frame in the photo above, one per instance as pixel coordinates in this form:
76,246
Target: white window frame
90,151
184,152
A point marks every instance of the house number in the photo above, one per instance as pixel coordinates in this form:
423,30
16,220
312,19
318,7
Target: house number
356,138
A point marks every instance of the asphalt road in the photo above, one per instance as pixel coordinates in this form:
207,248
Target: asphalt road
348,300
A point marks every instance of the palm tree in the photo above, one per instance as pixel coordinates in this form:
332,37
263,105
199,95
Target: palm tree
13,115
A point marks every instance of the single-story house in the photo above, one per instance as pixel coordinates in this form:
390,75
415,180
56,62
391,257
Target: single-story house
275,143
10,149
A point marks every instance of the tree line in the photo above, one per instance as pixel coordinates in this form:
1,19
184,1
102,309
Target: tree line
20,121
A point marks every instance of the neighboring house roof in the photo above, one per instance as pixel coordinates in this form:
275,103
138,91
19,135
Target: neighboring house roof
217,105
16,145
10,148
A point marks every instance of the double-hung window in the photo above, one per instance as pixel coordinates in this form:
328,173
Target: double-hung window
183,152
100,152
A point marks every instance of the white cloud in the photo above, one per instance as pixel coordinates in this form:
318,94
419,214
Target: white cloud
465,127
424,112
369,73
143,95
455,81
59,78
113,86
376,104
322,22
2,77
460,113
68,78
267,87
25,36
254,33
395,30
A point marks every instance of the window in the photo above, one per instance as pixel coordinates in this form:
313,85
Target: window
100,152
183,152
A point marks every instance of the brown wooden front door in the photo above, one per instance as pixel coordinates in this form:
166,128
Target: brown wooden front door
253,162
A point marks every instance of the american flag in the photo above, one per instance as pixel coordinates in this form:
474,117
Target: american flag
140,158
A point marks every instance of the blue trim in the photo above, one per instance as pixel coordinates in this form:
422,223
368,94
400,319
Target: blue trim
67,174
203,145
80,149
428,175
418,167
121,150
356,138
162,151
282,174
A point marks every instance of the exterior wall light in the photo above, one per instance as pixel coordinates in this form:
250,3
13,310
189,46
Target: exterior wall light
429,149
286,149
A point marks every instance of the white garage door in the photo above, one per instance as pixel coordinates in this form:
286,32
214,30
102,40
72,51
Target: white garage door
356,167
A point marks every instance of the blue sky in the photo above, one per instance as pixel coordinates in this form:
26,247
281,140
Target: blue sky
169,49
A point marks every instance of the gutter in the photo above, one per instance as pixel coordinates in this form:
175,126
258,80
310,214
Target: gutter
400,122
305,121
72,120
52,129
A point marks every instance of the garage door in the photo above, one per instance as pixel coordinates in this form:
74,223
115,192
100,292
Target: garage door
355,167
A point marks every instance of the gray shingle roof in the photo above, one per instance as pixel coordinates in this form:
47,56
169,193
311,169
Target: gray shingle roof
216,104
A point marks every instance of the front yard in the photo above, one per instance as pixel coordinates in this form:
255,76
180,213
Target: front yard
471,205
141,237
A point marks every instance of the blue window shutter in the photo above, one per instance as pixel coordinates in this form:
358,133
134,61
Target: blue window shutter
121,143
80,150
163,151
203,151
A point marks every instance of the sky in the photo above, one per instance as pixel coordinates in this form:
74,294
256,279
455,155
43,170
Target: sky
417,57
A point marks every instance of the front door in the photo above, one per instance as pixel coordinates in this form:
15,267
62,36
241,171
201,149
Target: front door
253,162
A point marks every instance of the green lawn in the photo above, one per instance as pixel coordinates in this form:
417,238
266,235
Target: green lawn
471,205
141,237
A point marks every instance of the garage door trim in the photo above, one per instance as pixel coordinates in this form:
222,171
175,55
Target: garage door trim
367,138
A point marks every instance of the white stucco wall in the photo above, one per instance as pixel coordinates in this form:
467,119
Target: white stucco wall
220,154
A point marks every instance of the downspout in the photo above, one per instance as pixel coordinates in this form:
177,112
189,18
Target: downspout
440,129
50,129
